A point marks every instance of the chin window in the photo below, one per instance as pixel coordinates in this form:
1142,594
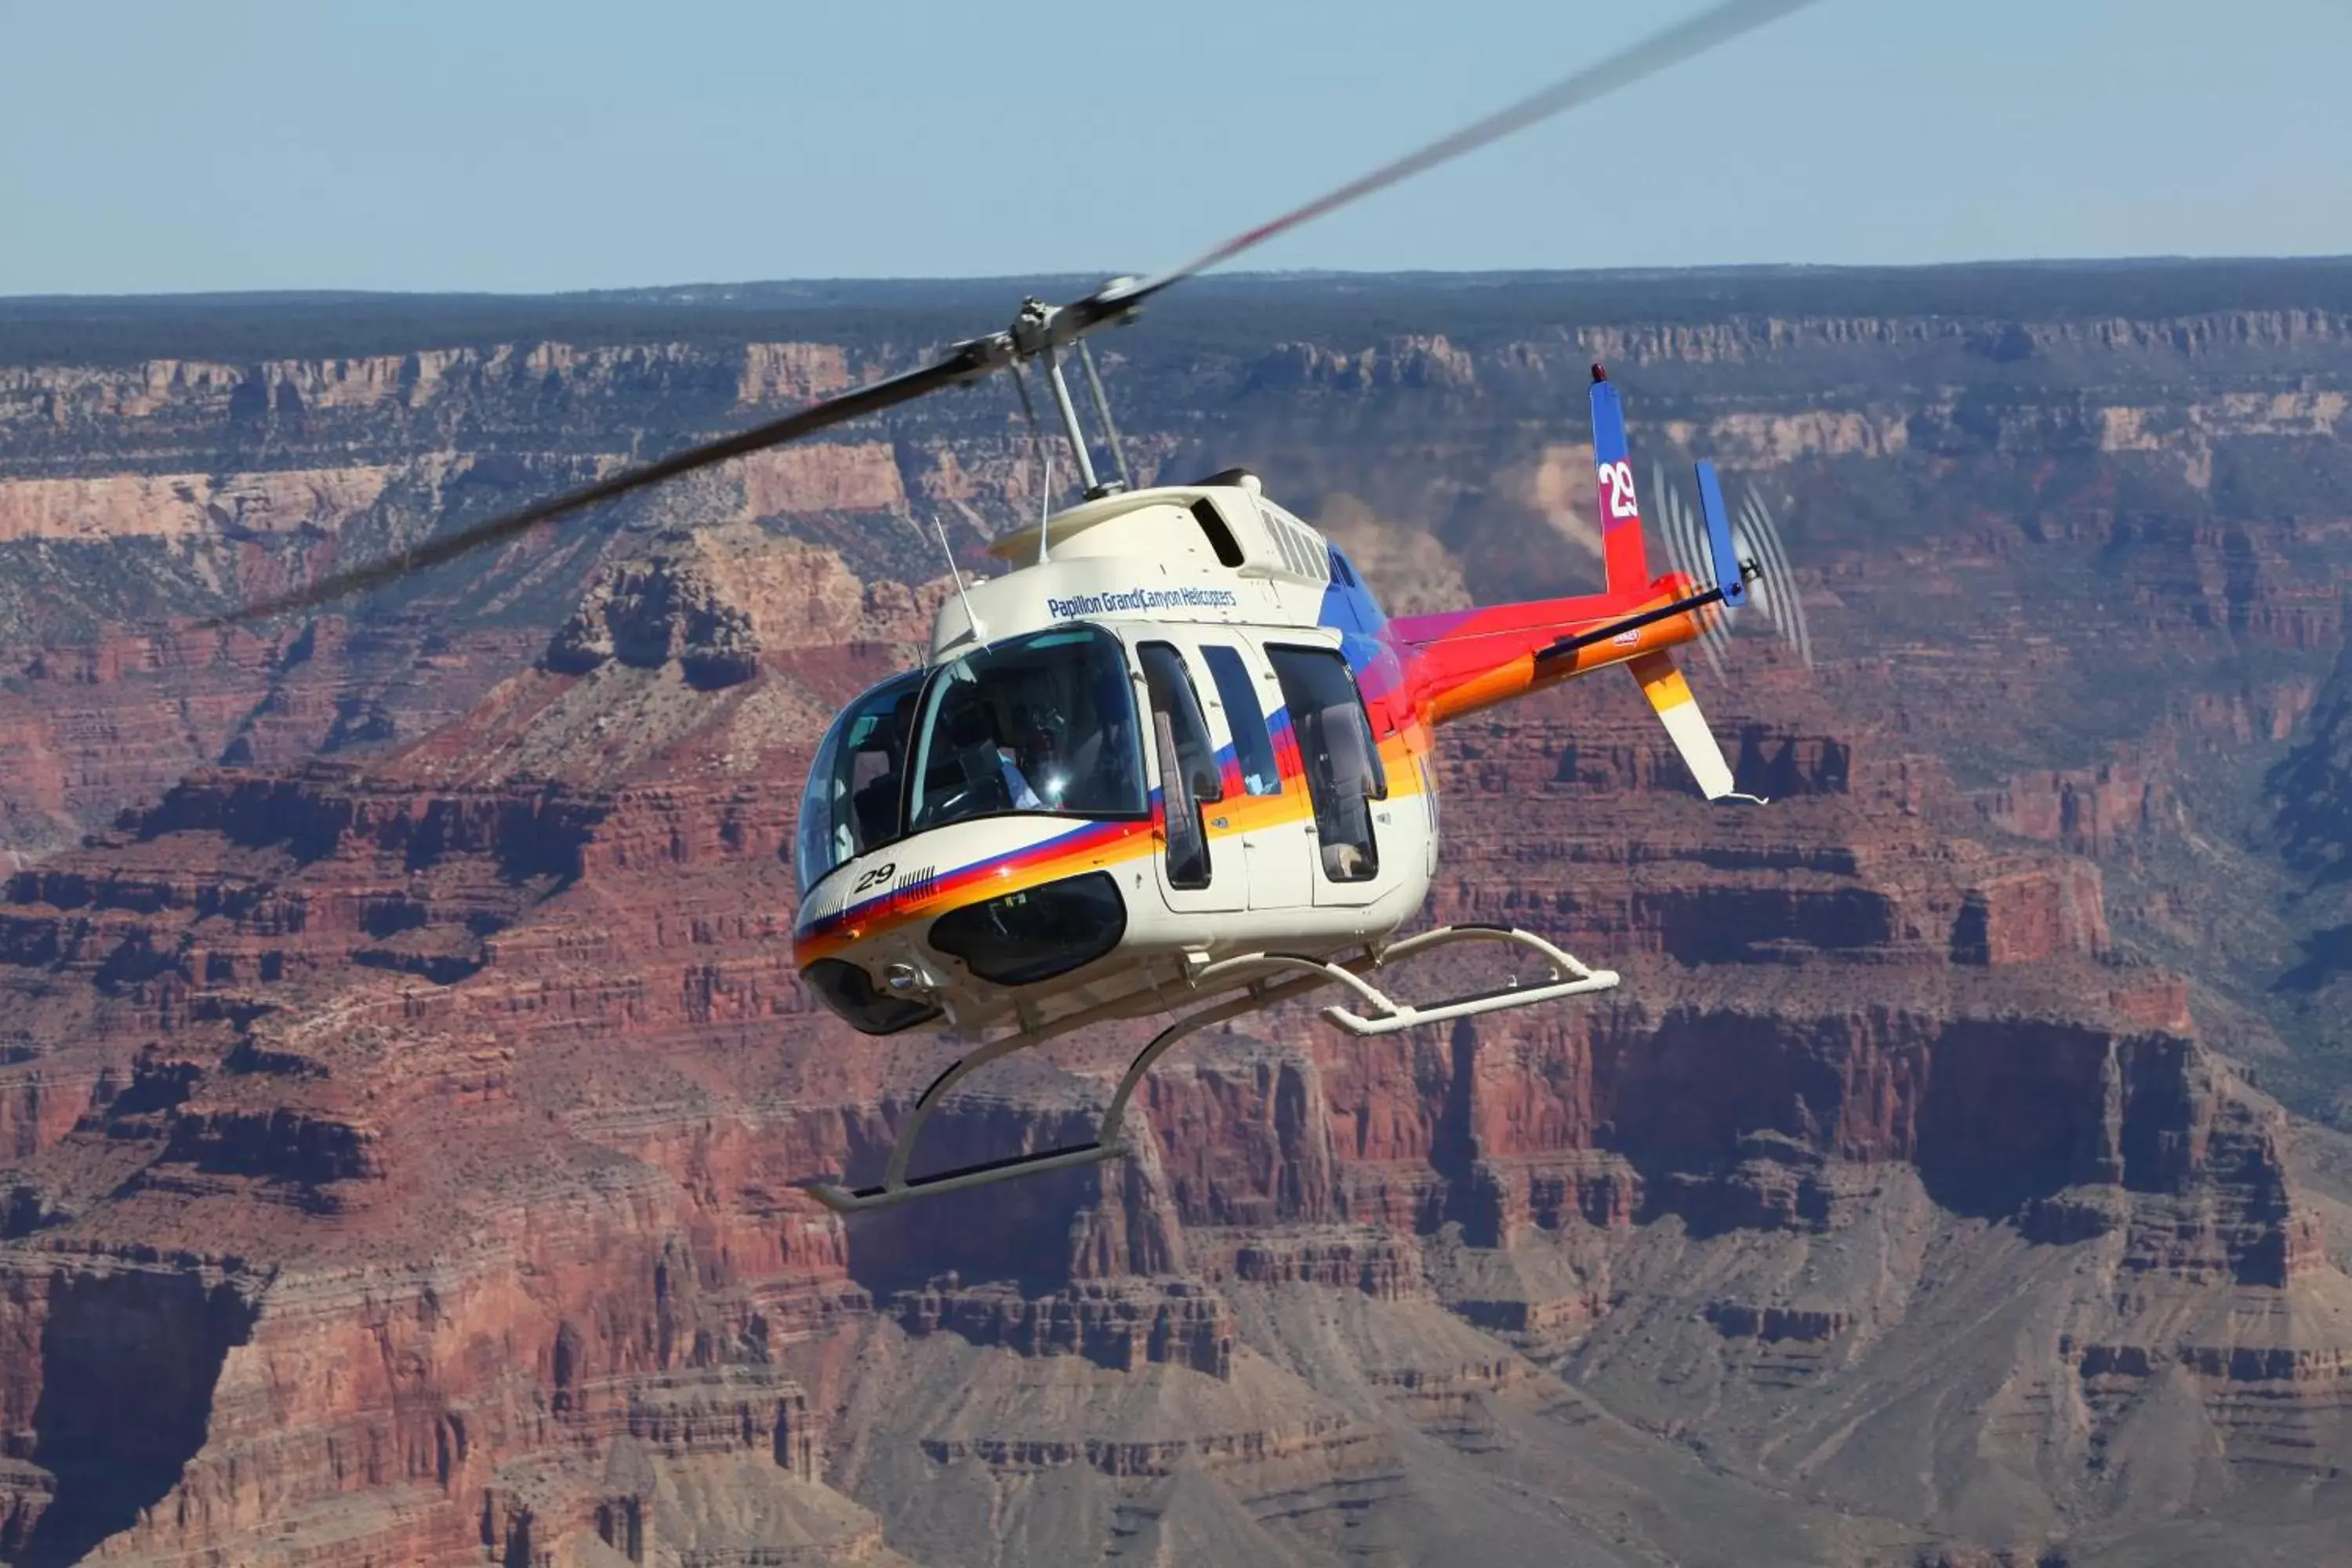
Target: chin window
1023,938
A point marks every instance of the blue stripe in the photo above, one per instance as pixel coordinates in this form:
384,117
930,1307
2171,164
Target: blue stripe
1608,425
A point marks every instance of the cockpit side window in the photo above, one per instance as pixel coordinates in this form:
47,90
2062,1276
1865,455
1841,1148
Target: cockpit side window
1045,722
1184,736
851,805
1170,687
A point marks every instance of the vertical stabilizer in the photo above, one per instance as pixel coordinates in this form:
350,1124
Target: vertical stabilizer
1622,555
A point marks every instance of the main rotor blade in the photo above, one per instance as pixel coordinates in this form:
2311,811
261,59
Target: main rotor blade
1676,44
970,359
1686,39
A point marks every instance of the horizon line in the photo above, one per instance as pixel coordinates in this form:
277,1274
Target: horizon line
639,293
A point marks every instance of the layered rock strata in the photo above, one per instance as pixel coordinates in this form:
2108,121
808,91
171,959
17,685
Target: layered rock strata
438,1125
402,1145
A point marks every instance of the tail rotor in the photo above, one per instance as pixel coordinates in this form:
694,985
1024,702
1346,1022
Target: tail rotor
1687,552
1757,538
1696,545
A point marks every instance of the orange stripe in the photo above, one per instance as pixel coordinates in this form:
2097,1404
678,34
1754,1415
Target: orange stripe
1662,683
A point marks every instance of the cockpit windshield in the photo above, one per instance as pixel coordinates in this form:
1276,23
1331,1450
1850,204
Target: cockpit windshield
851,805
1042,723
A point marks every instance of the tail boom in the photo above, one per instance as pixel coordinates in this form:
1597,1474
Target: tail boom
1466,661
1491,656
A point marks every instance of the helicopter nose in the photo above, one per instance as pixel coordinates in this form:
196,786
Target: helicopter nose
850,993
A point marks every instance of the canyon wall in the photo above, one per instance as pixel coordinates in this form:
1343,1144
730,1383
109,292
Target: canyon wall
406,1083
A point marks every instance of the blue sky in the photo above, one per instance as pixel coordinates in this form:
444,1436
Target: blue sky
151,145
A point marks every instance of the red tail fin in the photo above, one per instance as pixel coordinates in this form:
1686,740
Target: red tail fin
1622,554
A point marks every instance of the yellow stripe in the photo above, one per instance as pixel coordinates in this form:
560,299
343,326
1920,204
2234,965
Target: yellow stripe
1241,814
1662,683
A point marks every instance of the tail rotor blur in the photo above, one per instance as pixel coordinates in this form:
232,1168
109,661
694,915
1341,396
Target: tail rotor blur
1755,541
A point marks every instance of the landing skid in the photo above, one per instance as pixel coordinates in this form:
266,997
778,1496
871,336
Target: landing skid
1266,979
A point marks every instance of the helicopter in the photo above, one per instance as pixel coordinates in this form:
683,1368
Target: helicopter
1177,760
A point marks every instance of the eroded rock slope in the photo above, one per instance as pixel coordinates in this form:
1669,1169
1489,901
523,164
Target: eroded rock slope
404,1080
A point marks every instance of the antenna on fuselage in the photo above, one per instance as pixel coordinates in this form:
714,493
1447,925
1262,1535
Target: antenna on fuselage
980,633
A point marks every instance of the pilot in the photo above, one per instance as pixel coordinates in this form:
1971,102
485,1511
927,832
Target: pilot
1038,752
1101,761
1012,759
1016,782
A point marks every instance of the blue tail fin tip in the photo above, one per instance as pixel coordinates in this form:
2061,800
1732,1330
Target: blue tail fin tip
1727,575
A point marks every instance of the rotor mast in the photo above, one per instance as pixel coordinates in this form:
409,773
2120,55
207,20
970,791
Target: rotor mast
1037,332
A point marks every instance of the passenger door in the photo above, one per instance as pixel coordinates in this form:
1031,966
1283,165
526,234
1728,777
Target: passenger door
1199,867
1342,764
1266,804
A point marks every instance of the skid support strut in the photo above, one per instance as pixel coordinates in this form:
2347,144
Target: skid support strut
1266,980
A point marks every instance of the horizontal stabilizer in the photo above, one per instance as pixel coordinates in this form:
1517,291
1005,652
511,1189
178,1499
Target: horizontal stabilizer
1670,697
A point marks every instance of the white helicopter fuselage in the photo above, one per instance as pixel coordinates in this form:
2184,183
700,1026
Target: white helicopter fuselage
1256,681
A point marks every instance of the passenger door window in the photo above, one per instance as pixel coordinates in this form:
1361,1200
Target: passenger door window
1188,761
1343,765
1252,745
